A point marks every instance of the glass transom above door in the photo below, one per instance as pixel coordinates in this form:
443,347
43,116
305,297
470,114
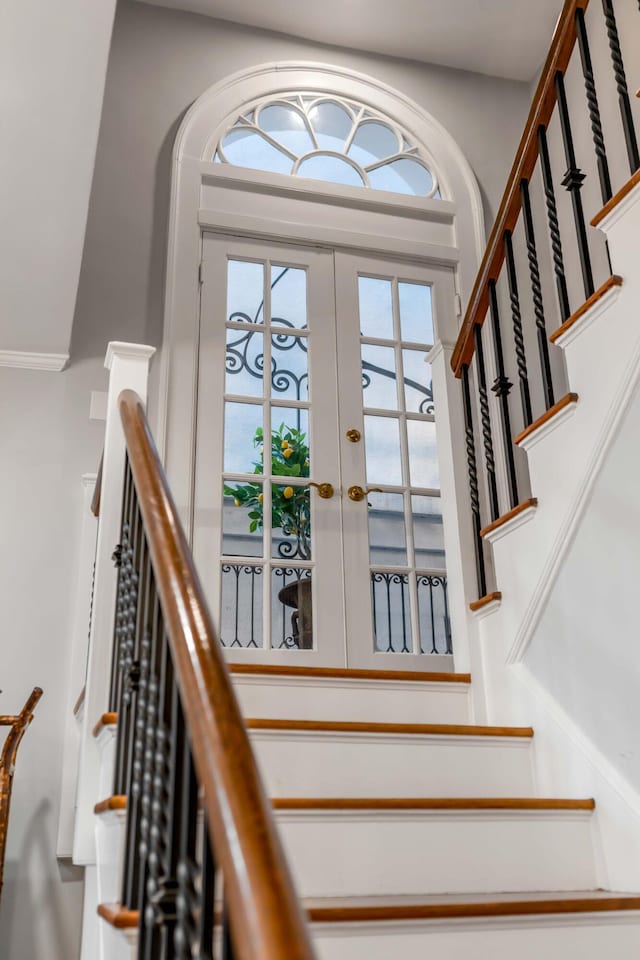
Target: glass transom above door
294,352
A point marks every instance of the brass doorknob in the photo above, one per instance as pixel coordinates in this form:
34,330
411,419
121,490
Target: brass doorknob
325,490
354,435
356,493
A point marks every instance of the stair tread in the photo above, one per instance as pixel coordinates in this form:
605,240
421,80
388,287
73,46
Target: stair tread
435,906
441,906
347,673
431,803
359,726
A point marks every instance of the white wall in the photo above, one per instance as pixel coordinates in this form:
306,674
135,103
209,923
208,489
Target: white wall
53,59
46,443
585,650
161,61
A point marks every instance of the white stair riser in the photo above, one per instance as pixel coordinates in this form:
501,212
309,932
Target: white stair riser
372,853
365,700
589,937
119,944
107,750
296,764
110,841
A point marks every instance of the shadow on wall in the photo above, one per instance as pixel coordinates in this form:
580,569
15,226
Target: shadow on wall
35,920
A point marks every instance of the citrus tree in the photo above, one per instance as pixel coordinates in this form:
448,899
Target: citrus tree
290,507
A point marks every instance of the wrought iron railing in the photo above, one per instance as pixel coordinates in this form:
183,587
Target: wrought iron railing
526,271
203,864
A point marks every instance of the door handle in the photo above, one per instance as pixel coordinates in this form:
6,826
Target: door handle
325,490
356,493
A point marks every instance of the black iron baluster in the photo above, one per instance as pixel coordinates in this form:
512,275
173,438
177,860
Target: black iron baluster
129,669
207,895
536,293
474,495
554,226
594,109
518,336
572,181
387,580
502,388
188,899
486,425
621,86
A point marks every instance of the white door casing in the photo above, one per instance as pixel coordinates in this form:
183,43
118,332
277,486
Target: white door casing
216,197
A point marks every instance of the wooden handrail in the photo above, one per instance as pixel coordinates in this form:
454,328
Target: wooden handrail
18,724
544,101
97,490
266,919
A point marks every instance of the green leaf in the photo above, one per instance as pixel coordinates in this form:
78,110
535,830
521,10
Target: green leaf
253,526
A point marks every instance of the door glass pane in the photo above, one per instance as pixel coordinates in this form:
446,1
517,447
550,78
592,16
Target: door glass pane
382,447
428,534
242,438
375,307
289,366
241,613
391,612
245,292
291,521
418,390
433,612
244,363
416,318
387,537
288,297
423,454
290,453
242,519
379,383
291,609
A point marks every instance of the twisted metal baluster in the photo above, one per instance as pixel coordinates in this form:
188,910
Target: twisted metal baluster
554,227
621,86
594,109
536,292
188,898
474,495
502,388
572,181
518,337
486,425
130,878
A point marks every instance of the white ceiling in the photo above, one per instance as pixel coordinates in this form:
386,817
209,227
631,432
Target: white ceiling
503,38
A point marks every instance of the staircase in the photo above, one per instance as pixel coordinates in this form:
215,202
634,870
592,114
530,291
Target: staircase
407,835
421,814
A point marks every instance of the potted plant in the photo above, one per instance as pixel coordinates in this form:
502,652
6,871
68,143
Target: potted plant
290,512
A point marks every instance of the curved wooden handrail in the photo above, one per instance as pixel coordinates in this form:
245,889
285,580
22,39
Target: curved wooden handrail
18,724
266,919
544,101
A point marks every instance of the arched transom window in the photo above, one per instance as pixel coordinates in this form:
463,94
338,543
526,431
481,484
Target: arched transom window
324,137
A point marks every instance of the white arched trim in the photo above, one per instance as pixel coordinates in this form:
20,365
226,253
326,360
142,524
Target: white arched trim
212,196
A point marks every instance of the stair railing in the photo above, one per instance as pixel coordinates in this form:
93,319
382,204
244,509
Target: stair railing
203,864
530,270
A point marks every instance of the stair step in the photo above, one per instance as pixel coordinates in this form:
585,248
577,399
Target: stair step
325,693
589,924
555,925
340,847
313,758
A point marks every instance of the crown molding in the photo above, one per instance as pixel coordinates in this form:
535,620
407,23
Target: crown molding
28,360
127,351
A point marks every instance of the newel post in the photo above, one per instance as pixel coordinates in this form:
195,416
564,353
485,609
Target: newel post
128,365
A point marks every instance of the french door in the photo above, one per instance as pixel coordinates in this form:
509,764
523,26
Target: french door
317,524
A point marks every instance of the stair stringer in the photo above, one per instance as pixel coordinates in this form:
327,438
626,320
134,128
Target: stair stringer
603,366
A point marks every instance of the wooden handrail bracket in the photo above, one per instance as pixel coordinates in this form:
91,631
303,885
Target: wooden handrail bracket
542,108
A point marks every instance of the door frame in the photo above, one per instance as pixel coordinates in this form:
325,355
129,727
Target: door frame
225,199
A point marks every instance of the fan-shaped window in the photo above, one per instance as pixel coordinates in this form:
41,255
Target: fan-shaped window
330,139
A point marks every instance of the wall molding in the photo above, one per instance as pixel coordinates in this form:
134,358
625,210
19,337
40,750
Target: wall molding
568,529
29,360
